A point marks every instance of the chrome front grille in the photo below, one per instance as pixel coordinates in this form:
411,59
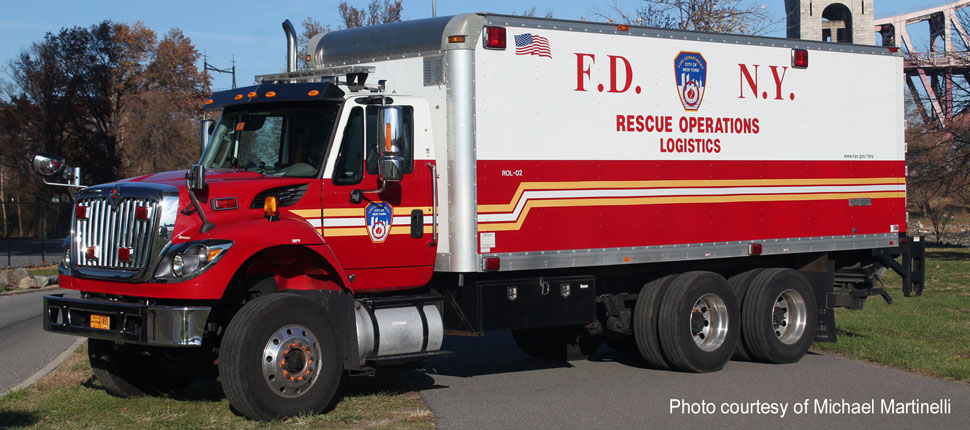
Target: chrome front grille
108,230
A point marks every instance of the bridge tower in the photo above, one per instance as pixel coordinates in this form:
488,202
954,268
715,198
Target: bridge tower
843,21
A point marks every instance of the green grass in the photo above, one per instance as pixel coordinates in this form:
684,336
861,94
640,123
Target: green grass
926,334
43,271
70,398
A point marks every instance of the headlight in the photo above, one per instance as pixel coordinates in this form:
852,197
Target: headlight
188,260
177,265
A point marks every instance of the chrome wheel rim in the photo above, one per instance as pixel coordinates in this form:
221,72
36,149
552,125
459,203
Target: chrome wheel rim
789,316
291,360
709,322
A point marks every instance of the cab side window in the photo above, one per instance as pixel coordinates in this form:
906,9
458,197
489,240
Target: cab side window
349,168
407,145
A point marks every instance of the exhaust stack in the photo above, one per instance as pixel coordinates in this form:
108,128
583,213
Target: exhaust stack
290,46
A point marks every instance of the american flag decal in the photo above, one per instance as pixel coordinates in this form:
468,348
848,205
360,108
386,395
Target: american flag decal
531,44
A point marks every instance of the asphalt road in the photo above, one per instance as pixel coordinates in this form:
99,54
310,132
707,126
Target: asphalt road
29,252
491,384
25,347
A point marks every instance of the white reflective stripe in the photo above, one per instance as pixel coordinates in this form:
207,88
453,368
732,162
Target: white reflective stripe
671,192
343,222
360,222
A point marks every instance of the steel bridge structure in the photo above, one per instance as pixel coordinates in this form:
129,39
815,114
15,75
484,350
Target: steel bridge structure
936,68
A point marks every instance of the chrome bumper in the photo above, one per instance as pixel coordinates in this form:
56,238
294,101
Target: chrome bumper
128,323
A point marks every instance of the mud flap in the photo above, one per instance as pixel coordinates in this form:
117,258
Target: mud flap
821,275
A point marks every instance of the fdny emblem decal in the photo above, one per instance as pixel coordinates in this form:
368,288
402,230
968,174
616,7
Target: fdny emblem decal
379,216
691,71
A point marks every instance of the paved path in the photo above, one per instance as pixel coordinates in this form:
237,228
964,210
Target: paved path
490,384
25,347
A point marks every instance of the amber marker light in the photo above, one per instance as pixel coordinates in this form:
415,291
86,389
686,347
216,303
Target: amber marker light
270,207
252,94
313,93
271,94
238,97
456,39
209,102
622,27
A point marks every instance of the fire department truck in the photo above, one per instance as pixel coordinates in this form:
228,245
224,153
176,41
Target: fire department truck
689,196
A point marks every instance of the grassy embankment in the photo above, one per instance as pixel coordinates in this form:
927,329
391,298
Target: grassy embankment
926,334
71,398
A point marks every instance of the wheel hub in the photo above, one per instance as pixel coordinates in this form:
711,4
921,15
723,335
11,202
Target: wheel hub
789,315
709,322
291,360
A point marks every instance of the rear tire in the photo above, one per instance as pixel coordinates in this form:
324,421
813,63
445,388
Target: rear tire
126,374
740,283
557,343
645,322
279,358
780,315
699,322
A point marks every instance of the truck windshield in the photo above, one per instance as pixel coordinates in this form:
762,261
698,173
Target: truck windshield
284,141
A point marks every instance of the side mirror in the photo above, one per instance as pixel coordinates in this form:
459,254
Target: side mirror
195,177
48,165
205,131
390,166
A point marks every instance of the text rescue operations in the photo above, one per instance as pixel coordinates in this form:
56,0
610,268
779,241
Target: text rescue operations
685,124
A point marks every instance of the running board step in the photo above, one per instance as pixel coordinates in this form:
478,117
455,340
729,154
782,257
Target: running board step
401,301
415,356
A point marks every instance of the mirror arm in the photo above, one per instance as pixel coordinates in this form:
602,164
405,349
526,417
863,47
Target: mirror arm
191,176
357,195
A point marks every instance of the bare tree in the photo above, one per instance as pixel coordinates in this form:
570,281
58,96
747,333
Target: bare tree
377,12
531,13
718,16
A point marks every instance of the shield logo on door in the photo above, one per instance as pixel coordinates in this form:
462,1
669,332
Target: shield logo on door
379,219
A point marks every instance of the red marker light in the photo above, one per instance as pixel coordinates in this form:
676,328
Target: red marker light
754,249
124,254
799,58
494,37
90,253
492,264
81,212
224,203
141,213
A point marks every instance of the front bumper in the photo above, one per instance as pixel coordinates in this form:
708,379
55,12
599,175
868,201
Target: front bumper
128,323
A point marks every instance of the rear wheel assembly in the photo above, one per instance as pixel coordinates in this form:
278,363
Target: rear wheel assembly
779,314
740,283
699,322
645,322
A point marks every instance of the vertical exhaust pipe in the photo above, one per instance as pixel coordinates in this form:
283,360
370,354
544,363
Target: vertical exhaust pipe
290,46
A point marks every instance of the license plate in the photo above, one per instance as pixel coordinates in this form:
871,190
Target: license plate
102,322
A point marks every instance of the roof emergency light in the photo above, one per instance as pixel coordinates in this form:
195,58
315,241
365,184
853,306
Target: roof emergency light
799,58
494,37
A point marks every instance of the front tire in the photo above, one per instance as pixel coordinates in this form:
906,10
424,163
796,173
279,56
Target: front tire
279,358
780,315
699,322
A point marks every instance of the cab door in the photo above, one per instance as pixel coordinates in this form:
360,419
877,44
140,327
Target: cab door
383,240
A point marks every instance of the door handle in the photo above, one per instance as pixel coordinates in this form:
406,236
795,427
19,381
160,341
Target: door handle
434,205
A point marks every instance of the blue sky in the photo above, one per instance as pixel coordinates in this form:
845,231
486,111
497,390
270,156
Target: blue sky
250,30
